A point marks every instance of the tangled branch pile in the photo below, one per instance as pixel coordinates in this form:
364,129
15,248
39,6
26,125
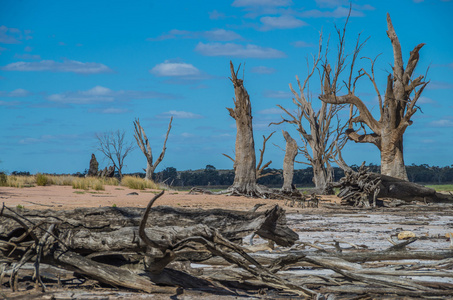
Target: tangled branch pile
152,251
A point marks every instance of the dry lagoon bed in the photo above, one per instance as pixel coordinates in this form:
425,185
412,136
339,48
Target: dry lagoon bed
322,227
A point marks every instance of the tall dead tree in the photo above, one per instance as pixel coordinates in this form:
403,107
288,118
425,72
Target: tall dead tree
113,145
396,107
245,160
320,131
143,143
246,171
288,162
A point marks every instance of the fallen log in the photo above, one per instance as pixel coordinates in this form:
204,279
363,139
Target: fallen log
108,244
363,188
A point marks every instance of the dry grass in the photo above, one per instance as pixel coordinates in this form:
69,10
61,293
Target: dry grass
93,183
138,183
66,180
20,181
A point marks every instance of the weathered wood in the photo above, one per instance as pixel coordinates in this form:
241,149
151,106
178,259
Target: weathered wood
362,188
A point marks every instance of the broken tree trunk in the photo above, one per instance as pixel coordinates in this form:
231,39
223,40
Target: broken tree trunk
245,159
288,162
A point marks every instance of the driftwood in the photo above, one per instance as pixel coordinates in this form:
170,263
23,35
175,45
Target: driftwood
363,188
131,248
151,250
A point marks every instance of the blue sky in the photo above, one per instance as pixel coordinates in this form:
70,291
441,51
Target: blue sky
71,69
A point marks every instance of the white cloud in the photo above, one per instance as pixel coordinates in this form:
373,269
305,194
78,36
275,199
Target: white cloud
168,68
331,3
110,110
339,12
27,56
270,111
215,15
212,35
244,3
19,93
221,35
262,70
237,50
187,135
282,22
100,94
439,85
302,44
12,35
442,123
278,94
179,115
425,100
53,66
10,103
16,93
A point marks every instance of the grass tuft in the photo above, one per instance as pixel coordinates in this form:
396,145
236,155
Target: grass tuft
42,180
138,183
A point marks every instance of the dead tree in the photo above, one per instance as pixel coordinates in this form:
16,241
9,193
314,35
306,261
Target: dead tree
113,145
320,131
288,162
396,107
143,143
246,171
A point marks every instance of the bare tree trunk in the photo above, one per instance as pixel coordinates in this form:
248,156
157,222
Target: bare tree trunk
322,175
245,160
396,107
288,162
392,160
143,143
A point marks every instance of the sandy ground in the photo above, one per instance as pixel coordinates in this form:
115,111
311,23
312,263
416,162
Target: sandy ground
65,197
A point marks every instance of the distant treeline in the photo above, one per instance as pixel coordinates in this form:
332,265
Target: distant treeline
210,176
302,177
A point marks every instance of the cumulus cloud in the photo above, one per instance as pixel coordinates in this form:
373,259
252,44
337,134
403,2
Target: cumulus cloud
53,66
263,70
281,22
100,94
174,69
212,35
237,50
274,3
179,115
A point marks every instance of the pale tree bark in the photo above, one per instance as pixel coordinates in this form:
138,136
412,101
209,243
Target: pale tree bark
288,162
113,145
143,143
396,107
320,131
245,159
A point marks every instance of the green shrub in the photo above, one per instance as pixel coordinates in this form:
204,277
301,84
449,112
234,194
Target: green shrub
41,179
